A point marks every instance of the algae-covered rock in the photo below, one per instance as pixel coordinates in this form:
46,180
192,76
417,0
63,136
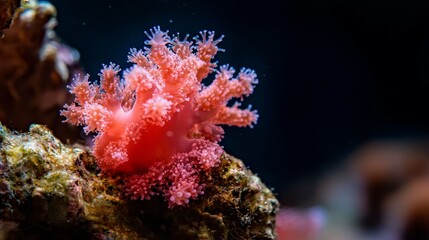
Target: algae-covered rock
236,205
49,190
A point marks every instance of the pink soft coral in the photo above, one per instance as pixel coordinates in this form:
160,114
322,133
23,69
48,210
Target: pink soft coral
159,123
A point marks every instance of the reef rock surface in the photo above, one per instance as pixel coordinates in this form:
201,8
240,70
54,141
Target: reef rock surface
49,190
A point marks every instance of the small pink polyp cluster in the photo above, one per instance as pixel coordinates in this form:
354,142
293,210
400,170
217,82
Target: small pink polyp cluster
159,124
183,175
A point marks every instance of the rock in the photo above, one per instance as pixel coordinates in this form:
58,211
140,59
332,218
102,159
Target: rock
51,190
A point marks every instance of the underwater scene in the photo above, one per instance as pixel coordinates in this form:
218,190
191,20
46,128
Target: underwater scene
162,119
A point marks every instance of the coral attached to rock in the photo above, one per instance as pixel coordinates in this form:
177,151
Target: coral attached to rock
48,189
159,125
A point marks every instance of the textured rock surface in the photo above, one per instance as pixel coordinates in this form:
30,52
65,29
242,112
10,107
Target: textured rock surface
48,189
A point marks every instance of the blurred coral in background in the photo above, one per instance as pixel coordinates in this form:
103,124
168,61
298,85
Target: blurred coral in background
35,68
300,224
380,193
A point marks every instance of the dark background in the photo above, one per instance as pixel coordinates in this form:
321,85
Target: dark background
333,74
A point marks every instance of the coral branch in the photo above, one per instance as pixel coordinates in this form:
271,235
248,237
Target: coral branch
234,116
